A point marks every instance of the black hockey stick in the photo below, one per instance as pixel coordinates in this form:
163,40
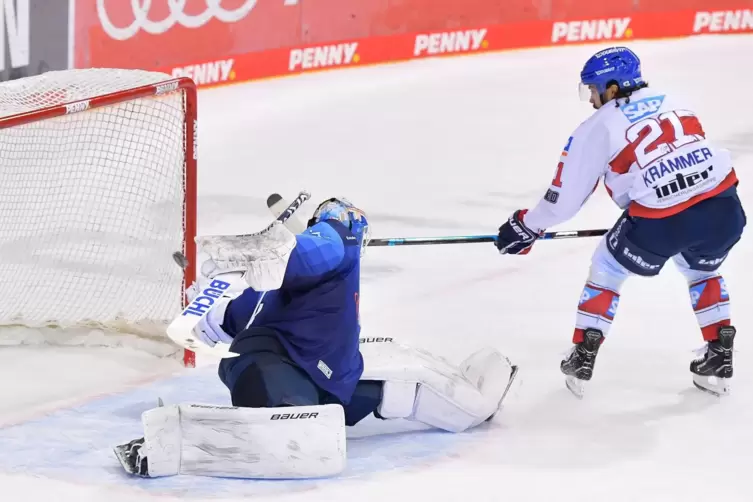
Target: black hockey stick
475,239
275,203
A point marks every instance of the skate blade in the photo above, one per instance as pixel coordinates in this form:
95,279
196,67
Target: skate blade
718,387
576,386
121,452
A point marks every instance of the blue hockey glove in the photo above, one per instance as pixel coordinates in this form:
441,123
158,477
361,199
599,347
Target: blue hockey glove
514,236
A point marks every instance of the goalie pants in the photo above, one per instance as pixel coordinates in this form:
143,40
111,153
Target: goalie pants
264,376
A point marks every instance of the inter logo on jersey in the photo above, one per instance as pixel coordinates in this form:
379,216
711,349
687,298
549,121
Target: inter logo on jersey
636,110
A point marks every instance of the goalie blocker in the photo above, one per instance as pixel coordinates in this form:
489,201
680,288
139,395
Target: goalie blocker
309,441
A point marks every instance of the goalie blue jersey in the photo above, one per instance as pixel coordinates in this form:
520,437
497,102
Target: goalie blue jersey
315,312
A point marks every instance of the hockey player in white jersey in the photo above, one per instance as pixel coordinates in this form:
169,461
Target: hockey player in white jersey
678,192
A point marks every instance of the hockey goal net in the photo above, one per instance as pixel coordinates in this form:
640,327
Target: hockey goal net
97,190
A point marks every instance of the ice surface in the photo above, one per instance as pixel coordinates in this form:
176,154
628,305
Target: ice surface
436,147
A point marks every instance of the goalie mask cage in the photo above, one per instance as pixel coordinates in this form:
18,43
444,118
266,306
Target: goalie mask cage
97,190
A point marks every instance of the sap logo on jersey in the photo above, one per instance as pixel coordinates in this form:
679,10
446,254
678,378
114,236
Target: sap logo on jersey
637,110
201,303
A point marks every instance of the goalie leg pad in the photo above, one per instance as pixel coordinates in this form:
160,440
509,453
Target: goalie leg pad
254,443
421,387
398,399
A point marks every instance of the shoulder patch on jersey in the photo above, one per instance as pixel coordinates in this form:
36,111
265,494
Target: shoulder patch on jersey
551,196
636,110
567,147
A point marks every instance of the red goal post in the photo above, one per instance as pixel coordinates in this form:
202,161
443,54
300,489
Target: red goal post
98,186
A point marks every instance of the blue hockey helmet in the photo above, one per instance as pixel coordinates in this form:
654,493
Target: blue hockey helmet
616,65
342,210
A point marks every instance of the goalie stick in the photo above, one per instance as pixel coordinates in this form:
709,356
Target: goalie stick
181,328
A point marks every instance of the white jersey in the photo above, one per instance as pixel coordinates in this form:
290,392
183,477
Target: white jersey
652,153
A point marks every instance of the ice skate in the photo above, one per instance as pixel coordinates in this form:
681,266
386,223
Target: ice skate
711,373
579,364
130,458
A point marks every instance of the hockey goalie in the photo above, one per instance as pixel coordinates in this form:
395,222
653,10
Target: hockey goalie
300,375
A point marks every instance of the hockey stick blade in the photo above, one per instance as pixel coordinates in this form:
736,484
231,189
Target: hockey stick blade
181,328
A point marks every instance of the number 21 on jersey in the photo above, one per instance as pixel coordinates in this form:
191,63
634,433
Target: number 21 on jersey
654,137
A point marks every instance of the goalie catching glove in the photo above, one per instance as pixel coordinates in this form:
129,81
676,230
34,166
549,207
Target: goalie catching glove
256,261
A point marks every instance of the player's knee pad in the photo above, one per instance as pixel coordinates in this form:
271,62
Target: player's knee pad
417,385
210,440
631,256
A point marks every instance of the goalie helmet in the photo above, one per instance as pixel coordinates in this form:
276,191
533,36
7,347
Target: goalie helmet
342,210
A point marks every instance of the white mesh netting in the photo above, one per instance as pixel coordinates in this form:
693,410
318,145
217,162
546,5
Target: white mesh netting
91,204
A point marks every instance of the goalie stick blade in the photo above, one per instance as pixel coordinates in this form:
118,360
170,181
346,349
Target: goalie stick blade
277,205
